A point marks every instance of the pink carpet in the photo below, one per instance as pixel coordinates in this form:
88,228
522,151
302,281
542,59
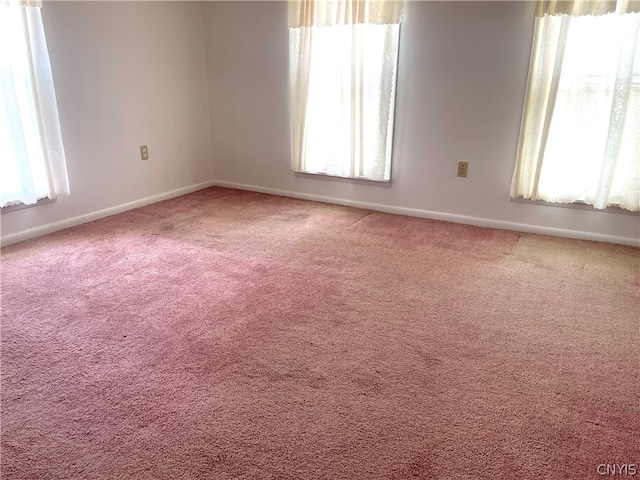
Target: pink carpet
235,335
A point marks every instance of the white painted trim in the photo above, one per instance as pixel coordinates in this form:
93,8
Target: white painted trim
413,212
447,217
89,217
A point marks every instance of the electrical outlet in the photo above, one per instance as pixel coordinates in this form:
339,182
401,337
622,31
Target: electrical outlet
144,152
462,169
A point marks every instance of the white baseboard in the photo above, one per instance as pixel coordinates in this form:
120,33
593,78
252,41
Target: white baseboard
448,217
413,212
89,217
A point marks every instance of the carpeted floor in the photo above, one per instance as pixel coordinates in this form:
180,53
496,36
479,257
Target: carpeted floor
235,335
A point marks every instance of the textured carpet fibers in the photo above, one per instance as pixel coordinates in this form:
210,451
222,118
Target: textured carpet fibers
235,335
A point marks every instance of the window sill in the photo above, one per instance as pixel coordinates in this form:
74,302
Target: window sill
22,206
576,206
352,180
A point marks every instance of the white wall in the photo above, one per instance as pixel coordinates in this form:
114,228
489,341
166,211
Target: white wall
126,74
132,73
461,84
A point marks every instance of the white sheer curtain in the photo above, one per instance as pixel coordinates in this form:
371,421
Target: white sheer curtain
580,135
342,64
32,159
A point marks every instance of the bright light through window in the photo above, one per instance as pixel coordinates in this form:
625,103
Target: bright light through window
32,157
342,80
581,135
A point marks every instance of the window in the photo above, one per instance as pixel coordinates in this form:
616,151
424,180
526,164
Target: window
32,157
343,57
580,136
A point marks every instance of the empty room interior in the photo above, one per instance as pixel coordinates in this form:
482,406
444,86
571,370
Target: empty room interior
341,239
